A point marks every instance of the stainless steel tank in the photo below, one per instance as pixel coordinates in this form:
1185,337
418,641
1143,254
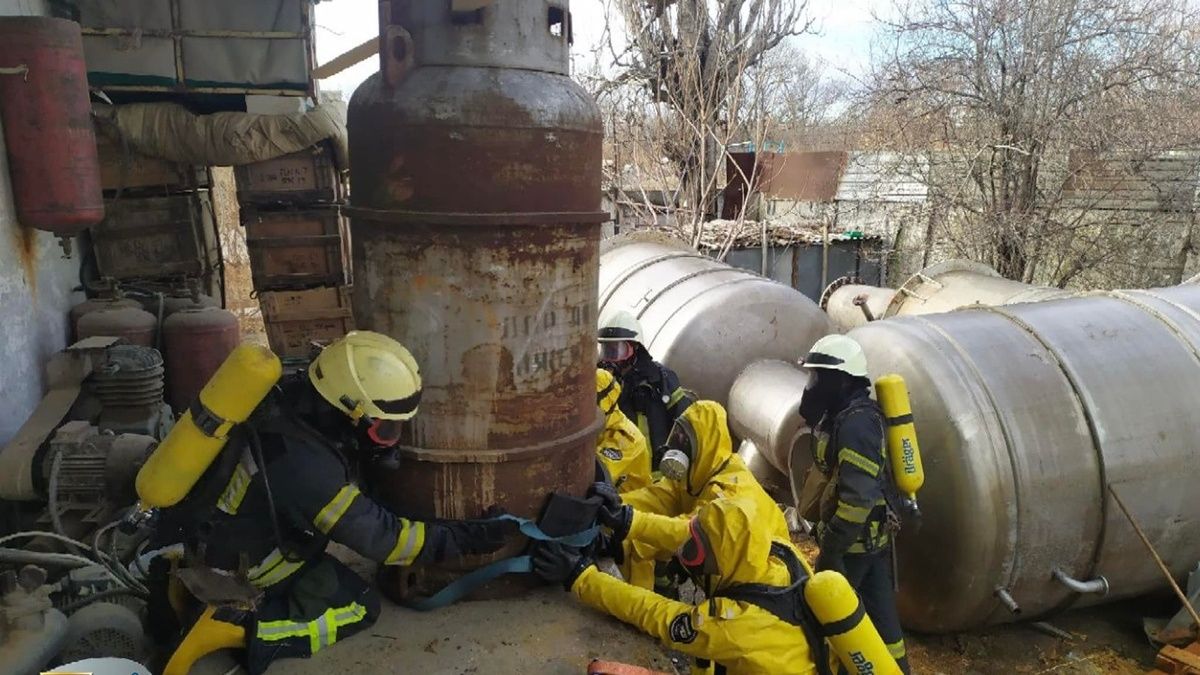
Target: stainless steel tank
475,168
842,300
1025,413
702,318
764,408
938,288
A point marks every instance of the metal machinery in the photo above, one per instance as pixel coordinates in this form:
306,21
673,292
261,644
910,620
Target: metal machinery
937,288
475,217
702,318
1025,413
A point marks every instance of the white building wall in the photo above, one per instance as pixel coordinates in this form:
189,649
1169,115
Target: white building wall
35,292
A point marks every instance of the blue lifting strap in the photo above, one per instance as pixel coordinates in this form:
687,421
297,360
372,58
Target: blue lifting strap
464,585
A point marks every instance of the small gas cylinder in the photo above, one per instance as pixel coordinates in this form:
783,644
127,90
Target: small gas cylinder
94,305
135,325
196,341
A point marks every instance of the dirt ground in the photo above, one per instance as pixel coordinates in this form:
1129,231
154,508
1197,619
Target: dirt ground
549,631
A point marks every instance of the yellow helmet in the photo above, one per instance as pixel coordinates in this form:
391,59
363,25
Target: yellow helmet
367,374
608,391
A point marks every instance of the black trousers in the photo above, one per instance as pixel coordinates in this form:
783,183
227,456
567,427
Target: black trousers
871,575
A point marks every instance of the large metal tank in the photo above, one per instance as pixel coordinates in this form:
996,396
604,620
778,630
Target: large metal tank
47,118
1025,414
702,318
475,168
196,342
764,410
938,288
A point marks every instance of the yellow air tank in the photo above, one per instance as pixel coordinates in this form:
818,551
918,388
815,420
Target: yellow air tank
234,391
905,454
851,635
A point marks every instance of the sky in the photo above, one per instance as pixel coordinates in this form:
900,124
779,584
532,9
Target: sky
842,42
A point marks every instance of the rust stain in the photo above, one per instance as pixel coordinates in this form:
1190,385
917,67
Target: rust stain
26,240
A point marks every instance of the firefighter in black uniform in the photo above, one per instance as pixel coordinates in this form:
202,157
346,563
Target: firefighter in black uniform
282,490
857,518
650,392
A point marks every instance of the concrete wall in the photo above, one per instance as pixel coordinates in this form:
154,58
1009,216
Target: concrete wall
35,293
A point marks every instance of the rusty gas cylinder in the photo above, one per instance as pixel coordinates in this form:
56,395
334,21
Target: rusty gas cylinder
95,305
136,326
196,342
475,222
47,117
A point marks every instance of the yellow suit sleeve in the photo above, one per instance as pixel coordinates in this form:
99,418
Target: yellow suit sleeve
659,497
656,536
680,626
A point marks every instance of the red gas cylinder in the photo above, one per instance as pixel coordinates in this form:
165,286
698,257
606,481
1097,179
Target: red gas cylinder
95,305
135,325
47,121
196,342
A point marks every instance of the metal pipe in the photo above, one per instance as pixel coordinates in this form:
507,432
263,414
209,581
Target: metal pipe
1099,585
1007,600
18,556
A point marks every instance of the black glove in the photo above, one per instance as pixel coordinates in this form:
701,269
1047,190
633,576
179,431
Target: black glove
449,539
607,546
612,513
558,563
833,550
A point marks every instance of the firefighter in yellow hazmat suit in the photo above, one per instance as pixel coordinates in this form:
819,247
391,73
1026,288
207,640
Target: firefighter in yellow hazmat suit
620,447
733,559
698,466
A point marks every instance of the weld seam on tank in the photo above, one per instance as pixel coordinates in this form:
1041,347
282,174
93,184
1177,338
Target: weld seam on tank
1164,319
1093,432
1146,293
500,455
750,278
1013,561
618,282
1097,586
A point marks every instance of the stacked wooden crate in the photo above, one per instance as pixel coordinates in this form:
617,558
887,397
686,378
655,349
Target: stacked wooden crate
158,228
297,240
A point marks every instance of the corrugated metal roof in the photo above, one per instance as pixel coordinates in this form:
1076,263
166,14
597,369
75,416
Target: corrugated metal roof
1124,182
884,177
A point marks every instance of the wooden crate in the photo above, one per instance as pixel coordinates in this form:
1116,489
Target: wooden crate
157,237
296,248
296,319
125,171
306,177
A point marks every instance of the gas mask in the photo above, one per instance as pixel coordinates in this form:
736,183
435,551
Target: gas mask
677,454
819,395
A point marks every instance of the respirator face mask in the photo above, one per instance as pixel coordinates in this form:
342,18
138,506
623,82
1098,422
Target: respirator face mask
677,454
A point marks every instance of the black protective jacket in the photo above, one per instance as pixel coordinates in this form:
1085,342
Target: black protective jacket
652,397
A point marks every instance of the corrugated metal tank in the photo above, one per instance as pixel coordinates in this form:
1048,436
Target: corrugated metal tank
938,288
702,318
1024,414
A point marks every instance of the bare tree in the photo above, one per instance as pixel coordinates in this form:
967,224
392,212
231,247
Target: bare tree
1001,91
690,58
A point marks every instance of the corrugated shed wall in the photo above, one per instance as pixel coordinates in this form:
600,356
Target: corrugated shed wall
35,293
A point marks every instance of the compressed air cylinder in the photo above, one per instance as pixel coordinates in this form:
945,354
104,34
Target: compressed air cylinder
905,454
234,391
849,630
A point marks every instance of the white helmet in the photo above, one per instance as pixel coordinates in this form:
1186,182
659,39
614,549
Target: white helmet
837,352
620,326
